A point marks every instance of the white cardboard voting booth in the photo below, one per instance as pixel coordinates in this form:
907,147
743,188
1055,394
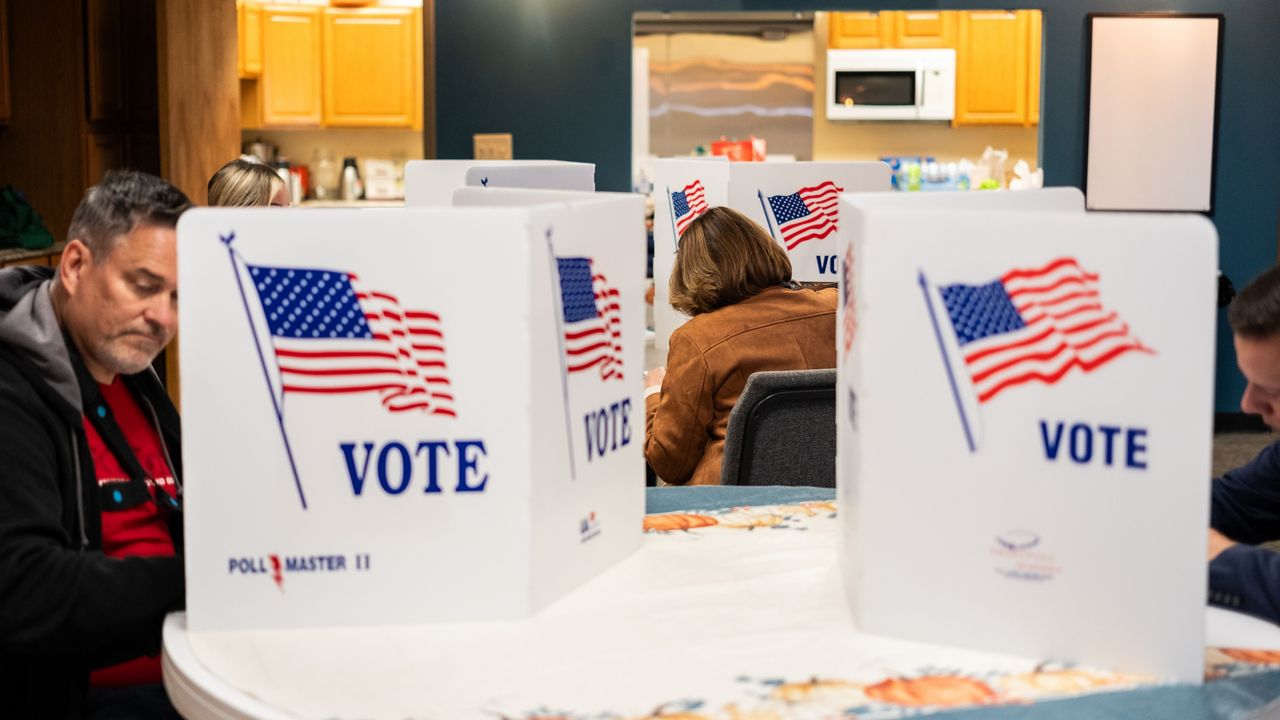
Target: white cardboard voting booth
1024,431
399,417
432,182
794,202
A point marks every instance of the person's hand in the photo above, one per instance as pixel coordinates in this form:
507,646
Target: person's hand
1217,543
653,378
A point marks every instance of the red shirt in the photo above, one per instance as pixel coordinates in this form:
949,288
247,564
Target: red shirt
141,530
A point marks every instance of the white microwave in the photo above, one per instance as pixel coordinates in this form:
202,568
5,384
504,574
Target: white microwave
891,84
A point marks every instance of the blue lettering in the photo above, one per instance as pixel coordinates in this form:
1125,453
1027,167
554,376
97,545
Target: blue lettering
406,468
626,421
1109,433
1081,450
613,425
1133,447
607,429
602,431
357,479
1050,446
467,463
1082,437
246,566
397,465
433,448
826,264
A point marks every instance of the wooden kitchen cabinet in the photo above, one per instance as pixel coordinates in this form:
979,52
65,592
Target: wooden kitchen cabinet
288,92
1034,50
104,60
249,38
860,30
6,103
372,67
923,29
992,66
103,151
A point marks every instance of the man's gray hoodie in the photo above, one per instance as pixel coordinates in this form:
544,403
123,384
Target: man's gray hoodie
65,608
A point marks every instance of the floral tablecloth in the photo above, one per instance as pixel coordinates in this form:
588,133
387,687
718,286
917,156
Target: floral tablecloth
724,614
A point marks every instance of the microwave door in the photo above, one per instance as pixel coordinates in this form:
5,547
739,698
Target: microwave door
920,81
876,94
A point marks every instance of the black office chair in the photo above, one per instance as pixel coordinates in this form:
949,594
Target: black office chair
782,431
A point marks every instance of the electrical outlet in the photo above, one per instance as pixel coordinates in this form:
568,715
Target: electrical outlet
492,146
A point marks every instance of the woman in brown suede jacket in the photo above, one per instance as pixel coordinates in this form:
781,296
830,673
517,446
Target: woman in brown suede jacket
747,316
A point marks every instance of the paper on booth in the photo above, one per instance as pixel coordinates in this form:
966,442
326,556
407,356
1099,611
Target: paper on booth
374,426
432,182
1024,417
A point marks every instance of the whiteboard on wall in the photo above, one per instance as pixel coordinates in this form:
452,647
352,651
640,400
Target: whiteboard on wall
1153,98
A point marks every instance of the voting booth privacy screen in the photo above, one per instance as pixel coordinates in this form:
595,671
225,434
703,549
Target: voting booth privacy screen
796,203
408,416
1024,418
432,182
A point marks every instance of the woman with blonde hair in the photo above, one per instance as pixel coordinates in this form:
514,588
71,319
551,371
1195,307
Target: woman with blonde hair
747,316
246,182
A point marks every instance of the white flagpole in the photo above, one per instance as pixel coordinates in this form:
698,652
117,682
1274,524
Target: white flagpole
266,375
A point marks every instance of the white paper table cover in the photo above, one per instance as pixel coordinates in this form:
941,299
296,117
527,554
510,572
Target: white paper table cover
734,613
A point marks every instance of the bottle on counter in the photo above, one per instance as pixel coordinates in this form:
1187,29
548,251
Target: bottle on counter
325,180
350,179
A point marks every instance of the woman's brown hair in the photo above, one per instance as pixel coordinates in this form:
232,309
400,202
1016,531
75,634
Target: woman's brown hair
244,182
723,258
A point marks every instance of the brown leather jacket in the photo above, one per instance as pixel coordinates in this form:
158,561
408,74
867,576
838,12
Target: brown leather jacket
708,363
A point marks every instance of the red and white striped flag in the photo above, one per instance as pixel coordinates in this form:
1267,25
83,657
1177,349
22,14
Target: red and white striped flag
810,213
592,319
332,337
688,204
1035,325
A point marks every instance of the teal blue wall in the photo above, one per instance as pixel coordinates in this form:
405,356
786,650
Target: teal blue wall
556,74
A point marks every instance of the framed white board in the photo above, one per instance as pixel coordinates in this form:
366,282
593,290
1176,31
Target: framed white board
1153,109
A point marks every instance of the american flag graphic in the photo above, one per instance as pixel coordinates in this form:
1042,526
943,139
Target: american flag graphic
688,204
332,337
1034,325
592,319
809,213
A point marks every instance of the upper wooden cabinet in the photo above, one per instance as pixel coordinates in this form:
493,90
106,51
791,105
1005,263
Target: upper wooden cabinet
992,68
289,90
330,67
249,32
860,30
372,67
104,60
1033,68
997,55
923,29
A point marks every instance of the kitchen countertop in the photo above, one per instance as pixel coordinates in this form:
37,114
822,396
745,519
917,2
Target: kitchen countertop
13,256
351,203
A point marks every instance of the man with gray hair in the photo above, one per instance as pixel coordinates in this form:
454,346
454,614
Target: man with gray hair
90,497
